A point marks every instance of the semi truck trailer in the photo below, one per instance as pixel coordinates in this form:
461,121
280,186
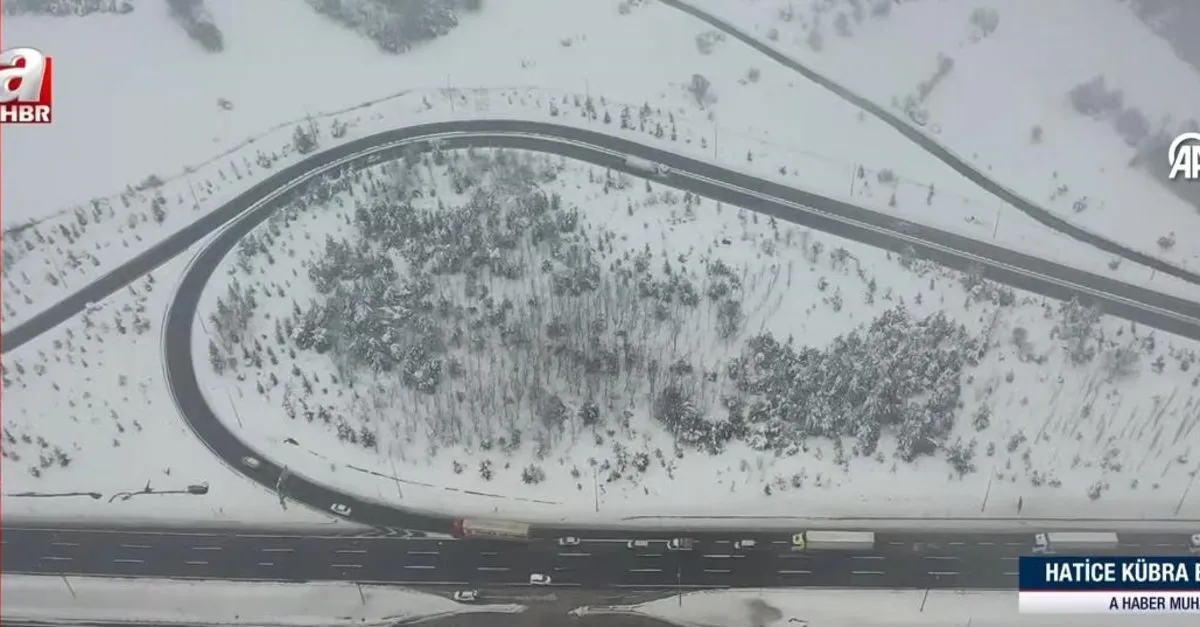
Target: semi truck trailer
819,540
1074,541
649,167
464,528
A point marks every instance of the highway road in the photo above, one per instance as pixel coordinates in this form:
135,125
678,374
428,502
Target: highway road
900,560
468,562
939,151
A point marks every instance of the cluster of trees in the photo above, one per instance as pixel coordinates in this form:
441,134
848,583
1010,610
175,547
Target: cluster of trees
198,23
505,319
60,8
396,26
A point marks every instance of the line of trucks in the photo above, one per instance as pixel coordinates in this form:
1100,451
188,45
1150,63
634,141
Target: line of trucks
812,540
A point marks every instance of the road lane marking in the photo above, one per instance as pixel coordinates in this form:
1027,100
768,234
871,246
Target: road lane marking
1009,557
492,569
347,565
867,557
422,552
957,543
266,563
206,548
354,551
866,572
940,557
645,570
717,571
720,557
488,553
196,563
135,546
418,567
127,561
54,558
649,555
574,554
63,544
795,572
987,544
1011,574
276,550
942,572
658,586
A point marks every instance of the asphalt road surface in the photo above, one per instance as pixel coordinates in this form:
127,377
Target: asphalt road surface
899,560
937,150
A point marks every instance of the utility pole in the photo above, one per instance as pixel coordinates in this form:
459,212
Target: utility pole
679,583
996,225
596,487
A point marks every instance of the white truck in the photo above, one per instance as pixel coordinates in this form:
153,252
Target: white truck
647,166
1074,541
492,529
818,540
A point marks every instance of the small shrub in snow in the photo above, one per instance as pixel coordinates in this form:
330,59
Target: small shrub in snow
1094,99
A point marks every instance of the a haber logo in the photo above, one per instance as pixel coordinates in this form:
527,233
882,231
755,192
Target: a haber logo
1184,156
25,86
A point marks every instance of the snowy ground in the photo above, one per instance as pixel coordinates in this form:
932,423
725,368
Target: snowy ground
89,424
1010,76
757,124
857,608
1035,434
257,604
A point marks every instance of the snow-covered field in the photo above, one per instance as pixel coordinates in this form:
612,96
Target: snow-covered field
765,121
89,427
605,350
244,105
256,604
858,608
1001,99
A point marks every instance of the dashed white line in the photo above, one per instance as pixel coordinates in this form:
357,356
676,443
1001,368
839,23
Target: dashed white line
135,546
206,548
353,551
718,571
196,563
645,570
795,572
422,552
53,558
574,554
942,572
127,561
867,557
718,557
940,557
1009,558
492,569
347,565
63,544
1011,574
866,572
276,550
266,563
418,567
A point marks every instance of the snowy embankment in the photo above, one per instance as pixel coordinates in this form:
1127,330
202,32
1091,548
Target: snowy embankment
774,607
993,82
69,600
1062,414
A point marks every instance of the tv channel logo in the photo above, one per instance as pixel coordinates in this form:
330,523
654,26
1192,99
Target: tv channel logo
25,86
1184,157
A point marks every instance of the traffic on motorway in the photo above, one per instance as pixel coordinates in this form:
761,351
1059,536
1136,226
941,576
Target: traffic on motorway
825,558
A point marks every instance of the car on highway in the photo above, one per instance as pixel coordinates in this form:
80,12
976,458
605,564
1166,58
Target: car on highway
538,579
742,545
251,462
340,509
798,541
1194,543
466,596
638,544
568,541
680,544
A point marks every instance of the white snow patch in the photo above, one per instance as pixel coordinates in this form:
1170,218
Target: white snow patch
775,607
256,604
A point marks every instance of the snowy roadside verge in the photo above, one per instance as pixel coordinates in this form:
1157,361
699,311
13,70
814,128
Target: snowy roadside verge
771,607
65,600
